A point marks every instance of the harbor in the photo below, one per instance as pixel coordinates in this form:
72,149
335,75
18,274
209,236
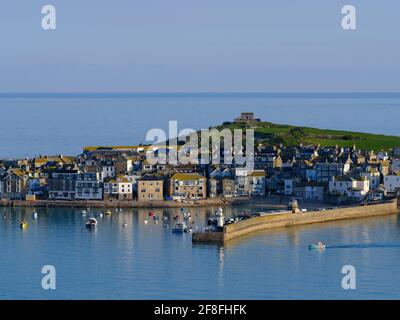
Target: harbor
271,220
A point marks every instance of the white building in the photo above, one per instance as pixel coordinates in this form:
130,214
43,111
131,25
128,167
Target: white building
391,182
373,176
120,188
349,186
88,186
108,170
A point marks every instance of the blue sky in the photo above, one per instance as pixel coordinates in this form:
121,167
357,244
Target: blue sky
207,45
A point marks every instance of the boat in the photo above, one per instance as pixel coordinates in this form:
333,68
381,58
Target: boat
179,227
83,212
34,215
125,224
101,215
108,213
318,246
91,222
188,230
23,224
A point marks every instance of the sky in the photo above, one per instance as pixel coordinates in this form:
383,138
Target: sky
193,45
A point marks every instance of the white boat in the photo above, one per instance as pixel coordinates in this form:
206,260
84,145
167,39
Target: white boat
91,222
34,215
179,227
319,246
83,212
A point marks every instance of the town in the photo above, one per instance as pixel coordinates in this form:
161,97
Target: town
122,175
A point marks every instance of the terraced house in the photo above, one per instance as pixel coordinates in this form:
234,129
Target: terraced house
187,186
14,184
120,188
150,188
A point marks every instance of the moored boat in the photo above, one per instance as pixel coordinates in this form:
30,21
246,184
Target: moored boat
23,224
179,227
91,222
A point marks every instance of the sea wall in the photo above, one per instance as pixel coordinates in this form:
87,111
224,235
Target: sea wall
287,219
280,220
113,204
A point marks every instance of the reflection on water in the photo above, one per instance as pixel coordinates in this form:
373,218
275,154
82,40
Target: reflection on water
126,257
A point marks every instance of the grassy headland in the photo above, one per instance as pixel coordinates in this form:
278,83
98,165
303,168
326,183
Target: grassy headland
274,134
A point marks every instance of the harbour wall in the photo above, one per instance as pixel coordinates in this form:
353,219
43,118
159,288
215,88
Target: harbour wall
113,204
287,219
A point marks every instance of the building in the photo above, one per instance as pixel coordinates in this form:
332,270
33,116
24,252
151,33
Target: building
120,189
188,186
353,187
373,176
150,188
247,117
61,184
326,170
392,182
310,190
14,184
89,186
249,183
228,187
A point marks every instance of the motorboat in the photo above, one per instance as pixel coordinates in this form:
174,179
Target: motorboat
108,213
84,212
35,215
179,227
91,222
318,246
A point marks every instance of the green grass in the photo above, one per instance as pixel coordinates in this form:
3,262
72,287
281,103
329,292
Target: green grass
272,134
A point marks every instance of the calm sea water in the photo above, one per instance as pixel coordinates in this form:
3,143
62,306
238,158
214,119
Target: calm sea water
62,124
148,261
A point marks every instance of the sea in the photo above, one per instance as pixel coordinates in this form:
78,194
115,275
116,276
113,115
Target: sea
126,257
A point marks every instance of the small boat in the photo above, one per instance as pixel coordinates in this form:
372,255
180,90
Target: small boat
108,213
125,224
179,227
188,230
34,215
91,222
101,215
84,212
23,224
318,246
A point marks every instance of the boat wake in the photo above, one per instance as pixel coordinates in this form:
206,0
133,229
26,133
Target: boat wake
365,246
